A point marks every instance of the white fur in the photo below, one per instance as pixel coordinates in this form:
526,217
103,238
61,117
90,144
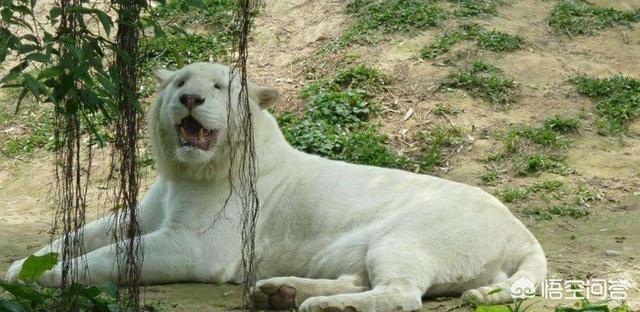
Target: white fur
343,235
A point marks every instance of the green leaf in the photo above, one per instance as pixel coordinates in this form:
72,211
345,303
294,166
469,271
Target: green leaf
12,305
495,291
39,57
196,3
50,72
35,266
6,14
22,292
105,20
110,289
493,308
14,72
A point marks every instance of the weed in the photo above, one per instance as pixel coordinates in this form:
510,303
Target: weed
490,177
618,100
490,40
513,194
548,213
547,186
215,14
38,132
378,17
174,47
335,123
578,17
30,296
389,16
561,124
484,81
585,195
528,164
537,213
359,77
537,149
584,305
176,50
444,110
468,8
575,212
436,143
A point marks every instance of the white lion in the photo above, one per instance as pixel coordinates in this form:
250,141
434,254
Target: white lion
331,236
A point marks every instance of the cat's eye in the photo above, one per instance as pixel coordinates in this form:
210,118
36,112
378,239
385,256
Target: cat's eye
217,86
180,83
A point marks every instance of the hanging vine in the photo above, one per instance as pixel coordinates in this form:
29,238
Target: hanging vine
245,146
124,161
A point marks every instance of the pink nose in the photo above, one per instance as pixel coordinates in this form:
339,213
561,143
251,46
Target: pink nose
191,100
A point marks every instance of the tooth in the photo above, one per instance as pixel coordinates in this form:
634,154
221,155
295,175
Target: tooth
184,133
200,134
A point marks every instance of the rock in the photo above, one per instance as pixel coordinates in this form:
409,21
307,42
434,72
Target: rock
612,253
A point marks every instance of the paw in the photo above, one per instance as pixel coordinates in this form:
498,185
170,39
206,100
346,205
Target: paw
14,271
273,296
325,304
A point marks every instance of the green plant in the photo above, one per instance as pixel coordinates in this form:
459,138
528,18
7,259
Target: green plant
618,100
485,81
585,305
436,143
528,164
561,124
537,149
213,14
540,213
387,16
511,194
335,123
578,17
490,40
468,8
490,177
359,77
547,186
371,19
27,295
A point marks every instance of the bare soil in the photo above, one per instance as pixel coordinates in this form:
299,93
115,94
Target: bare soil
288,34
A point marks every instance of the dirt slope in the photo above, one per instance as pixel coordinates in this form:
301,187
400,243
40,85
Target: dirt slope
289,33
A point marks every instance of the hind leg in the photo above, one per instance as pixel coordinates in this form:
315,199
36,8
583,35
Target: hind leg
284,293
399,272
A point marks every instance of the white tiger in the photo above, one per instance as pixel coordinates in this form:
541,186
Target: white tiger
331,236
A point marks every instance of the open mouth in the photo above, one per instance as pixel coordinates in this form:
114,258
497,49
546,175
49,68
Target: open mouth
193,134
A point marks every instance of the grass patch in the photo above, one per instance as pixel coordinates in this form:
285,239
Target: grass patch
542,213
618,100
374,18
174,47
436,144
335,124
215,14
513,194
491,40
578,17
490,177
547,186
485,81
468,8
37,132
532,150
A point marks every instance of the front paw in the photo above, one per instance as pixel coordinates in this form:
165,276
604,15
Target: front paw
14,270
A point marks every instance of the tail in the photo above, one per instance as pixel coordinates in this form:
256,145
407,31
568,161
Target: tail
525,282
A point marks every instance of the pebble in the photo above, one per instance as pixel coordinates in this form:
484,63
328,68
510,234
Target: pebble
612,253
